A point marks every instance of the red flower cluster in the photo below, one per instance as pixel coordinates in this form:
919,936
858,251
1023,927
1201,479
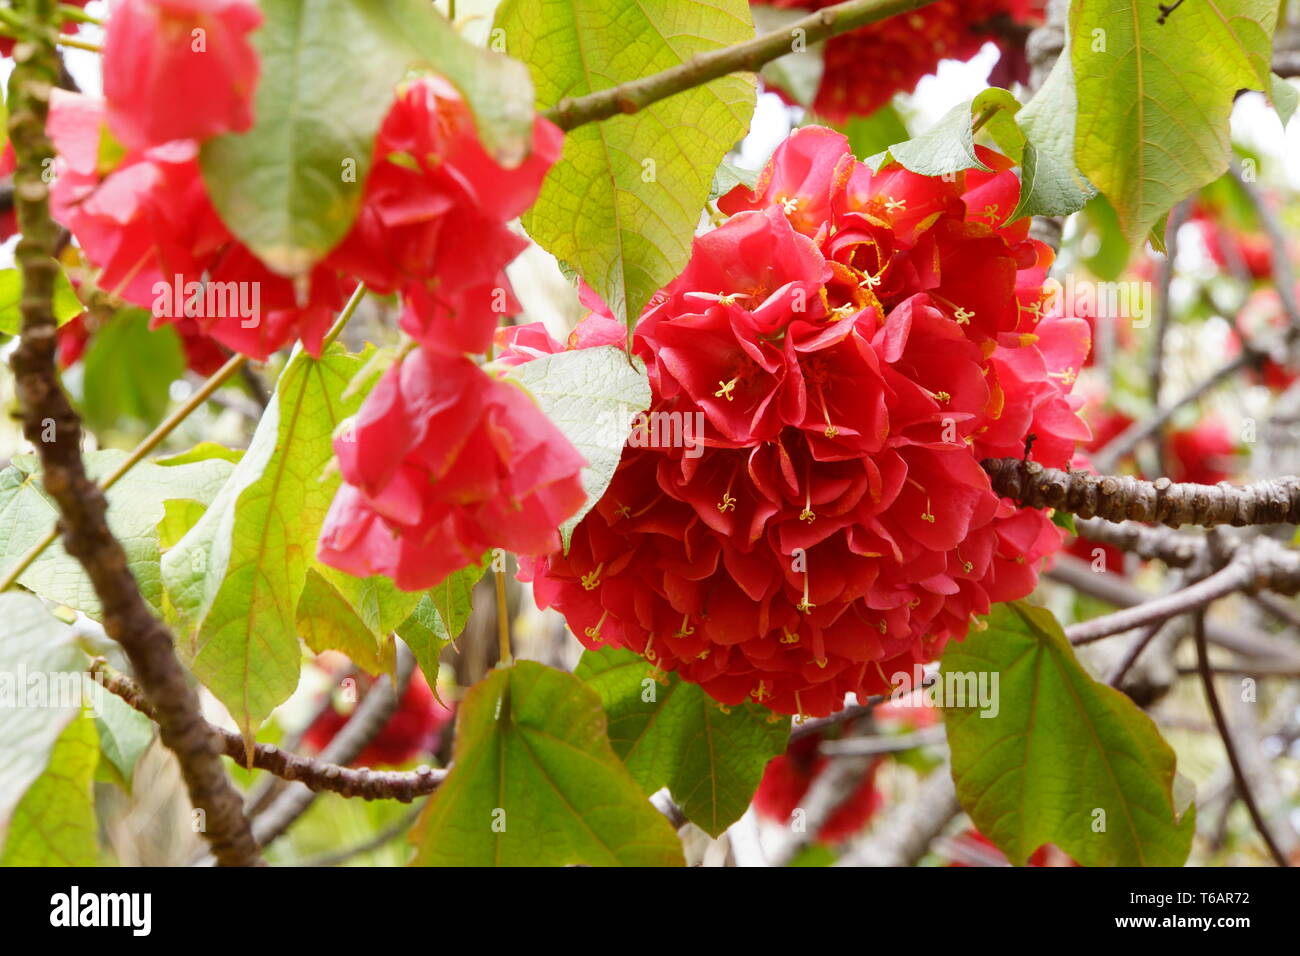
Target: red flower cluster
179,69
856,342
414,729
148,224
443,462
864,68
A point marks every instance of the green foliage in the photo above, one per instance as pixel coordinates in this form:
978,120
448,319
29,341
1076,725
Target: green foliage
128,371
54,824
1060,758
1154,99
66,304
34,711
674,735
137,512
622,204
535,783
591,395
234,581
290,187
1051,184
440,616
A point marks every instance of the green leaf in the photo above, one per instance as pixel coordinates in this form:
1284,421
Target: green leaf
124,735
675,736
996,109
622,204
41,671
1284,97
592,396
1112,254
535,783
869,135
1060,758
235,579
440,616
354,615
1051,184
727,177
129,369
1154,100
54,824
66,304
947,147
137,509
290,187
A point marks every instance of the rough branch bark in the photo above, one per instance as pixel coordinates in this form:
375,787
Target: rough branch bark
636,95
52,426
1272,501
316,775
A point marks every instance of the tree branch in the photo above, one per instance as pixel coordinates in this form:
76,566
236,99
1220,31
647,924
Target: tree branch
636,95
317,775
1243,785
1271,501
52,426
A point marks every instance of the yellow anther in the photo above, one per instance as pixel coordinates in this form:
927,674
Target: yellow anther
820,662
1068,377
963,317
702,655
831,431
967,567
805,605
926,516
788,638
807,515
685,630
623,511
882,626
760,693
725,389
870,282
788,204
943,398
727,503
991,212
591,580
893,205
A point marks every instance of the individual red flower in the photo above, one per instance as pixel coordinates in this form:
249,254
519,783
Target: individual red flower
1204,454
433,185
855,343
179,69
864,68
444,462
413,730
789,776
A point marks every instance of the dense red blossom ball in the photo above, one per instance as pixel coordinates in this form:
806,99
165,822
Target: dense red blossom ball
855,343
413,730
864,68
179,69
444,462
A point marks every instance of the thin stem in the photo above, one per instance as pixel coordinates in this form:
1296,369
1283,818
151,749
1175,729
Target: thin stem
350,307
503,619
1243,785
79,44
